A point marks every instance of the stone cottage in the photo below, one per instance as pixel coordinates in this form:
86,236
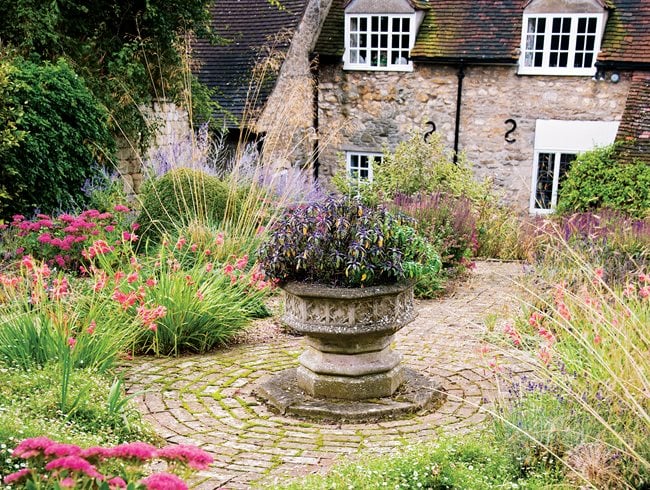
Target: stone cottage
520,87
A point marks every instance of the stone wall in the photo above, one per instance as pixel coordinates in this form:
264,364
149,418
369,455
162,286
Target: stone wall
378,109
171,128
288,116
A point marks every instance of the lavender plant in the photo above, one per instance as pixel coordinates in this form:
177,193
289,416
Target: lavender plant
342,242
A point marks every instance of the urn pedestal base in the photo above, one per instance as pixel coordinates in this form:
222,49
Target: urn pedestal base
349,370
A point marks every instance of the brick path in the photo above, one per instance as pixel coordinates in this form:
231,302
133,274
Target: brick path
207,401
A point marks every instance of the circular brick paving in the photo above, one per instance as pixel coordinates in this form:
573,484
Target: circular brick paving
208,401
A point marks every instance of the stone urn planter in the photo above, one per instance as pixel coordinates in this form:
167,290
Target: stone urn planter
348,335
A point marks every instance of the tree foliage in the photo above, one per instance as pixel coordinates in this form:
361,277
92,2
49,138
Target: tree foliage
52,130
127,50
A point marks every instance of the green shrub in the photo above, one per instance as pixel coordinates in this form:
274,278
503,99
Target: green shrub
597,180
179,198
56,129
418,166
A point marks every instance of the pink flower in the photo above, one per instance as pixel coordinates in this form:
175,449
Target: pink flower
219,239
45,238
208,267
193,456
194,247
599,272
180,243
228,269
546,334
60,261
597,339
535,319
31,447
644,277
131,278
545,355
151,282
109,228
20,250
134,450
120,208
644,292
563,311
91,328
200,295
67,483
511,332
241,263
135,226
115,483
149,316
18,217
17,476
207,252
129,237
72,342
75,464
260,230
629,290
103,216
27,262
164,481
60,288
96,452
119,275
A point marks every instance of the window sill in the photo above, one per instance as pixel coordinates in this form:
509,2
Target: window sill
396,68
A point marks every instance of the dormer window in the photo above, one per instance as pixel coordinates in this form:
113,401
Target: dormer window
379,42
560,44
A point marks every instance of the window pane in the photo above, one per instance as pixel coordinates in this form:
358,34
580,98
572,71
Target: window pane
363,24
374,41
396,24
565,164
539,58
354,40
384,41
384,24
544,185
374,21
532,23
582,24
405,41
406,24
557,26
354,23
592,26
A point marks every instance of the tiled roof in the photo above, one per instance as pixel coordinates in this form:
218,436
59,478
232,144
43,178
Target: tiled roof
490,31
249,26
627,35
471,30
331,42
634,131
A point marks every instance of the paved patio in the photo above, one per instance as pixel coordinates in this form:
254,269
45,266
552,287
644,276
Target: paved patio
207,400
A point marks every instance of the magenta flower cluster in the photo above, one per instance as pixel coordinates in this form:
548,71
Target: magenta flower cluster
59,240
68,464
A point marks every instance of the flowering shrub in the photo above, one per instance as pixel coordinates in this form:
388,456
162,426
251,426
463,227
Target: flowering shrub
591,347
614,242
180,295
447,221
60,240
340,242
54,465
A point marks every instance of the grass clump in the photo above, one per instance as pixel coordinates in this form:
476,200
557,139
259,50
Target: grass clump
179,198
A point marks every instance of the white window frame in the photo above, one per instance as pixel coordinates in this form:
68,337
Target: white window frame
405,67
373,157
565,137
557,155
570,70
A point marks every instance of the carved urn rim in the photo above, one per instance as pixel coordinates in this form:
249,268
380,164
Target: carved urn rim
317,290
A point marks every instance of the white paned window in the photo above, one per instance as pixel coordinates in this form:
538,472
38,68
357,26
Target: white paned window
560,44
550,170
360,165
557,143
379,42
